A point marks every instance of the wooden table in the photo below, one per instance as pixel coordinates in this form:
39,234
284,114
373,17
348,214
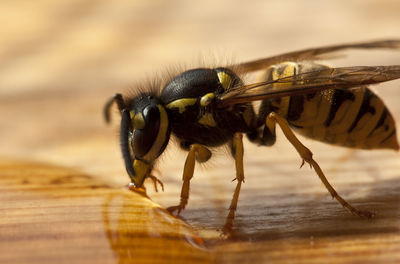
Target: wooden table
63,195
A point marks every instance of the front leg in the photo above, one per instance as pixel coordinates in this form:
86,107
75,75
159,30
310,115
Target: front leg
196,152
237,152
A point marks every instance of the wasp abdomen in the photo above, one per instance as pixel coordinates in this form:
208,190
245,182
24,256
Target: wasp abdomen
353,118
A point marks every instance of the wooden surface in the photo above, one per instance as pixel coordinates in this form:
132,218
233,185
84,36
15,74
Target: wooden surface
63,195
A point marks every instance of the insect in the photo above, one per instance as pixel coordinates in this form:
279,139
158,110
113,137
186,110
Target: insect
211,107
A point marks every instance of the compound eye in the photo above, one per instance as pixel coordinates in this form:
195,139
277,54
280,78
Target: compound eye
145,135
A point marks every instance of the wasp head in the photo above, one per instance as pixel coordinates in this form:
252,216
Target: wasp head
145,133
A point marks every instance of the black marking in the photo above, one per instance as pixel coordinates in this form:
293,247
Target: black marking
365,108
338,98
296,103
280,70
389,136
269,74
381,121
296,107
310,96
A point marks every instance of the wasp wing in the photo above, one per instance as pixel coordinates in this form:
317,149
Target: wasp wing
313,54
310,82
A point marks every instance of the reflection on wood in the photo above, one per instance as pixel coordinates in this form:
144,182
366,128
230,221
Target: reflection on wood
53,214
143,231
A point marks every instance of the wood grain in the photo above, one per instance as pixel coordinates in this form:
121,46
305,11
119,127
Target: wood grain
63,195
53,214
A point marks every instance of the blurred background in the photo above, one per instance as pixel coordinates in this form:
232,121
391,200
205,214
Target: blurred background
61,60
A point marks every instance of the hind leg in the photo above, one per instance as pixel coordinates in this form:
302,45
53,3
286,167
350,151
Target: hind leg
306,155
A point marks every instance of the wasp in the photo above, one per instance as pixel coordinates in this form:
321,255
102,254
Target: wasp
206,108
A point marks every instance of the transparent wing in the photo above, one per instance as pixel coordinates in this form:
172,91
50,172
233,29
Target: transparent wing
313,54
309,82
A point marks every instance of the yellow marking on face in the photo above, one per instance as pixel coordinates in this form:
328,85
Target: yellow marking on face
138,121
206,99
207,120
153,153
141,171
181,104
225,80
132,114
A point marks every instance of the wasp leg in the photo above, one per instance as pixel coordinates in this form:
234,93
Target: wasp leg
155,181
306,155
196,152
237,151
120,102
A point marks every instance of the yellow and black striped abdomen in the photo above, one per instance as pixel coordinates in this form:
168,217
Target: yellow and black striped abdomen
353,118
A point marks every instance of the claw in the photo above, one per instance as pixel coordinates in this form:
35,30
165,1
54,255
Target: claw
155,181
365,214
226,232
235,179
172,209
304,162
